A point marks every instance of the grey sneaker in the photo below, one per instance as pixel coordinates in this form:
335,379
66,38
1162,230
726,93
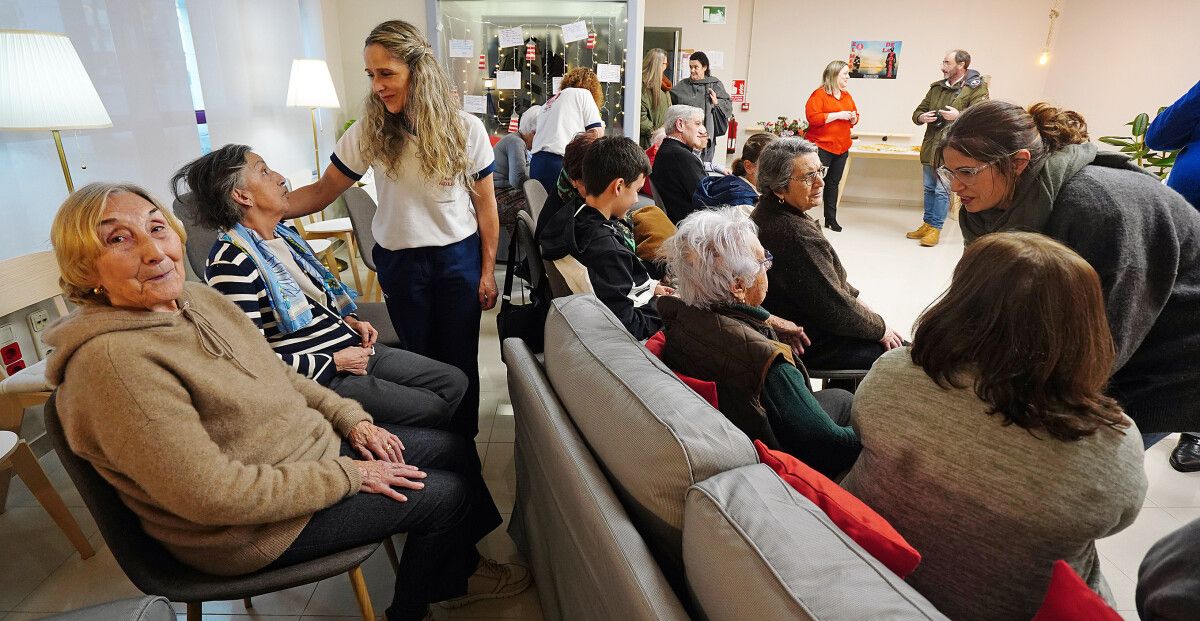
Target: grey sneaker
491,580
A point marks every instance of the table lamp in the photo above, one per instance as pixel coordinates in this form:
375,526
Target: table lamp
311,87
45,86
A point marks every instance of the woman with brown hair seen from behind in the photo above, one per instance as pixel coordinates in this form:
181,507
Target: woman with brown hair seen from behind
574,109
989,442
436,229
1036,171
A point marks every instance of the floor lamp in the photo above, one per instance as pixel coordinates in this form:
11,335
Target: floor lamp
46,88
311,87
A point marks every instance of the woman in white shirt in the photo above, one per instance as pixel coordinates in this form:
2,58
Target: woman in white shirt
436,228
576,108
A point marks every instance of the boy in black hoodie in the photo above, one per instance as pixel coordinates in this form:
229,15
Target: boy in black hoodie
596,234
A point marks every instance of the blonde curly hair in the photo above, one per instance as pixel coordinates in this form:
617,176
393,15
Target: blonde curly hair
430,117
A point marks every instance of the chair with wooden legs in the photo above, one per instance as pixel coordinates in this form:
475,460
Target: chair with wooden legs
14,451
153,570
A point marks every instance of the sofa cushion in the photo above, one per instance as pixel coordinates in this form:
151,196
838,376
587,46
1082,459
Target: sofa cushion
871,530
1070,599
754,548
708,390
652,436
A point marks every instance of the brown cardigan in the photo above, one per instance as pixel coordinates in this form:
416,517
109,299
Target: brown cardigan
808,282
221,450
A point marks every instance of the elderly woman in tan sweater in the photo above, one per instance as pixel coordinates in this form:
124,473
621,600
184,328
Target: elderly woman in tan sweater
231,459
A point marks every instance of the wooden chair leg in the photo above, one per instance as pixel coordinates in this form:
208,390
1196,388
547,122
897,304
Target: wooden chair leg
360,593
247,602
392,556
5,478
27,467
11,413
195,611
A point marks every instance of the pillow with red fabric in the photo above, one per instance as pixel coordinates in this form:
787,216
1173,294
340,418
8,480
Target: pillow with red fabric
1070,599
866,527
707,390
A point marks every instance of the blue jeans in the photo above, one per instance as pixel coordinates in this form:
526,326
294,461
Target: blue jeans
937,198
432,296
545,167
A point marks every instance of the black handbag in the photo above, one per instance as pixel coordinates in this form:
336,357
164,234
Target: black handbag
524,321
720,121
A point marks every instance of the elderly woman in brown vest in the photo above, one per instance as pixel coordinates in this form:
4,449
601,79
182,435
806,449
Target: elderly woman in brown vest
717,331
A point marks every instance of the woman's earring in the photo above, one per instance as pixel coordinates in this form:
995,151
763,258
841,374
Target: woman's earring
98,290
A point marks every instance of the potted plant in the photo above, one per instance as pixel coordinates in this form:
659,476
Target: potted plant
784,127
1157,162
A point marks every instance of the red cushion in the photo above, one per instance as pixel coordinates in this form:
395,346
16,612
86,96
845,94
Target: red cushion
708,390
856,519
494,139
1070,599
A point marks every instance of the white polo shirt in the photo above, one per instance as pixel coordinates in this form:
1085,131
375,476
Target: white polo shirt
569,112
414,210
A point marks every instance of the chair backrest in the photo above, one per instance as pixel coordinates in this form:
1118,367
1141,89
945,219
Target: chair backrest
362,212
141,557
657,196
200,239
29,279
567,276
535,196
527,247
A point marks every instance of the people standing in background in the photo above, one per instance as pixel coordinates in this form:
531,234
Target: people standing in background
512,168
1178,127
576,108
701,90
946,99
831,113
1036,171
436,228
655,100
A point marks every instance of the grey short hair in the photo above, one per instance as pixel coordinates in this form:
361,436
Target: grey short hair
211,178
711,250
679,111
776,162
528,123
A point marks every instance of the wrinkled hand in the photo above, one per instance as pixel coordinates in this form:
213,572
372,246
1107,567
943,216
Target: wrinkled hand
382,477
352,360
364,328
891,340
661,289
487,291
374,442
790,333
712,96
928,117
950,114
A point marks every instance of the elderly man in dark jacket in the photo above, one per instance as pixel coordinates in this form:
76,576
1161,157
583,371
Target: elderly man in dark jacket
677,168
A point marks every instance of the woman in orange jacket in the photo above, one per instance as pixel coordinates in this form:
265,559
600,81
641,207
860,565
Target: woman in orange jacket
831,113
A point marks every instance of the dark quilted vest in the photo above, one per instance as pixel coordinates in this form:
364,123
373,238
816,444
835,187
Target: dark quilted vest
733,349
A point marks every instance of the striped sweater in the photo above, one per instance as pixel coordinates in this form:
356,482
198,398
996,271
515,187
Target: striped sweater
309,350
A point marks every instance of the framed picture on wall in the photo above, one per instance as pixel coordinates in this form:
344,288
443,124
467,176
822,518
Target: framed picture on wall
874,59
713,15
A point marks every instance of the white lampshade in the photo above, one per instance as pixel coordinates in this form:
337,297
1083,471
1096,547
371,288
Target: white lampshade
44,85
311,86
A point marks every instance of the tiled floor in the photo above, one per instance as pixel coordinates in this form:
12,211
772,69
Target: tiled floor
40,573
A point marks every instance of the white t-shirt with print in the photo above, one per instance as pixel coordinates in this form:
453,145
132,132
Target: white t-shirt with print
569,112
414,210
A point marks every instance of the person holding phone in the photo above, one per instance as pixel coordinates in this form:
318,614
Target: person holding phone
947,98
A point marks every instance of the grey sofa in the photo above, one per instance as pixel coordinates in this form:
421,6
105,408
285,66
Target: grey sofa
638,500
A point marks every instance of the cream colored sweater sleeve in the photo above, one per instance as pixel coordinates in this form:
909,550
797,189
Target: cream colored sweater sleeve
153,442
341,412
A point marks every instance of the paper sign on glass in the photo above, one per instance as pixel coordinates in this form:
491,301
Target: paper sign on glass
475,104
716,59
508,80
462,48
556,84
576,31
510,37
608,73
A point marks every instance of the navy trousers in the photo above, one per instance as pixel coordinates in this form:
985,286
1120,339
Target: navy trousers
432,296
545,167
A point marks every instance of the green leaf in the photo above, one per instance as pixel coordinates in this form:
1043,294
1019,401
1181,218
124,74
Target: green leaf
1116,141
1129,149
1164,162
1140,123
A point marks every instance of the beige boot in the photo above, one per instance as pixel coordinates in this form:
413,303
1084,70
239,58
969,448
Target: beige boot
919,233
931,237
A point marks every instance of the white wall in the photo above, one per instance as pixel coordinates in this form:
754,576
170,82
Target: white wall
354,22
133,54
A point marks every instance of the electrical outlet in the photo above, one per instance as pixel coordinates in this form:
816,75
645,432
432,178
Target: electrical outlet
14,367
38,320
6,333
10,353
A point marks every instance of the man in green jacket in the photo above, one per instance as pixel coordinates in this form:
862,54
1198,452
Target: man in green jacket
946,99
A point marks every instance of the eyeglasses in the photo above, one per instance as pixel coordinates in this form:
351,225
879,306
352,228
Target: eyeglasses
965,176
811,177
768,260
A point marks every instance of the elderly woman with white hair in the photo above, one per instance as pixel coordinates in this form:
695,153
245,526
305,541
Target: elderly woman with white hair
716,330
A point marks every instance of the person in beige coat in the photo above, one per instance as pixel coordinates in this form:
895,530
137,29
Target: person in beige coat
231,459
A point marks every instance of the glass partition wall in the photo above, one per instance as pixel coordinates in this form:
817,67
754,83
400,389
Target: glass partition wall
478,43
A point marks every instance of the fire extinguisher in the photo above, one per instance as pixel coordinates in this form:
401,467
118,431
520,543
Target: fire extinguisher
732,148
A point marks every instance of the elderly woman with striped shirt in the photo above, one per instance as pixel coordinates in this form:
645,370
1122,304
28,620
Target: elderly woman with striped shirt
305,313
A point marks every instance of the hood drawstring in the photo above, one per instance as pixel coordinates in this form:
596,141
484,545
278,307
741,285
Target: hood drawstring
211,340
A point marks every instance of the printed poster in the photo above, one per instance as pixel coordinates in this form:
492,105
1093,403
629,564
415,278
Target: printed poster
874,59
713,15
